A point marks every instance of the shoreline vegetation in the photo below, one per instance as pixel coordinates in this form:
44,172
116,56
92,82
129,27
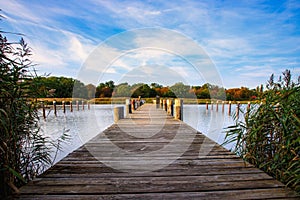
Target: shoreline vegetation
122,100
62,87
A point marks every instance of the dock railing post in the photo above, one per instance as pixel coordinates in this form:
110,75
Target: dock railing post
127,107
207,105
157,101
77,105
217,105
169,106
229,108
178,109
132,105
82,104
118,113
172,107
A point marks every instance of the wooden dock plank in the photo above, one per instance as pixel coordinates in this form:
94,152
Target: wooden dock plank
201,168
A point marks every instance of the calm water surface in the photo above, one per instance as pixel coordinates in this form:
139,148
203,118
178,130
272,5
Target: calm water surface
81,126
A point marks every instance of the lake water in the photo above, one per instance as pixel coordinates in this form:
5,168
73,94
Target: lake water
81,126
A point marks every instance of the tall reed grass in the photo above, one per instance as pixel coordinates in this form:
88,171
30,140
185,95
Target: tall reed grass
269,135
24,152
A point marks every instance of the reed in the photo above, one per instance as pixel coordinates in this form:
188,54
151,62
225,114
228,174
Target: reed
24,152
268,136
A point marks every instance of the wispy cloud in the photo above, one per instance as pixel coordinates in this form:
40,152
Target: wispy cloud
244,39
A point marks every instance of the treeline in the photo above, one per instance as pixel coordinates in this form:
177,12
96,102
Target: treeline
63,87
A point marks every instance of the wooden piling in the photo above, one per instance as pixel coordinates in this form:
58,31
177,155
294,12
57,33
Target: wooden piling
71,106
44,112
238,110
207,105
212,105
133,105
223,106
217,106
169,106
229,108
54,108
157,101
178,109
64,106
249,106
127,107
77,105
118,113
89,105
165,106
82,104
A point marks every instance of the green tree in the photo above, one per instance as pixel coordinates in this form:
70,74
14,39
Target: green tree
91,90
105,89
79,90
144,91
122,90
181,90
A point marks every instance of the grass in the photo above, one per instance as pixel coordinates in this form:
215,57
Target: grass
268,137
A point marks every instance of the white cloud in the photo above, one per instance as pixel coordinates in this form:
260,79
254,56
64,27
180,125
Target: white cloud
14,8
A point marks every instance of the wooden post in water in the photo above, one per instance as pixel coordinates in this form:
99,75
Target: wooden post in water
77,105
212,105
249,106
118,113
172,107
71,106
178,109
127,107
64,106
169,106
229,108
238,110
207,105
54,108
217,105
82,104
89,105
161,103
223,106
165,105
44,112
132,105
157,101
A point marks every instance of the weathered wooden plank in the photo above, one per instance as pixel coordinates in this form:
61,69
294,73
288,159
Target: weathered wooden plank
270,193
148,179
119,187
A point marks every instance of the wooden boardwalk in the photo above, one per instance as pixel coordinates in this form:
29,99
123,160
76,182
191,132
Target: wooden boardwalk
153,156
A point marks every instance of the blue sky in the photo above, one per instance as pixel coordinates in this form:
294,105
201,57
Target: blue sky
246,41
